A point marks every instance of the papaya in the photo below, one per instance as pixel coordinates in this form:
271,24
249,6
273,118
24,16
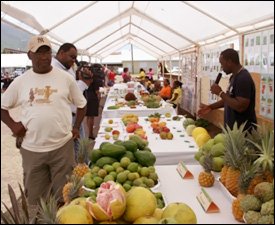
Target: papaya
103,143
118,142
141,143
145,158
94,155
147,149
130,145
113,150
105,160
129,155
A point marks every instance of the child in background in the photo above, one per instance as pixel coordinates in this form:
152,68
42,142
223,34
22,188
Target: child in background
176,94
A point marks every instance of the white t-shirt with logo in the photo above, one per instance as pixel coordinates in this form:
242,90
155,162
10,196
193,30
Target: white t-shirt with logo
46,114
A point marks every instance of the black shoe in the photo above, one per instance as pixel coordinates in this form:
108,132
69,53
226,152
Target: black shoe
92,138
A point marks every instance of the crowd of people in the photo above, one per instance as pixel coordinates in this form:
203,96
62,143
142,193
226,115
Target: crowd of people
59,91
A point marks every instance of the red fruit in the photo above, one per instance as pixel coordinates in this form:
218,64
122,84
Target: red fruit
165,129
131,127
115,132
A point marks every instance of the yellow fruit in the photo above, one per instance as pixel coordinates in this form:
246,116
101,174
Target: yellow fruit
81,169
139,202
107,136
206,179
110,202
158,213
198,130
181,212
74,214
202,138
146,220
79,201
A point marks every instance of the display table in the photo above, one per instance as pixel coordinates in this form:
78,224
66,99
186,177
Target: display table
140,109
176,189
167,152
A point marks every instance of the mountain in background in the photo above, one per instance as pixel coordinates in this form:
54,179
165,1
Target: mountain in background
13,38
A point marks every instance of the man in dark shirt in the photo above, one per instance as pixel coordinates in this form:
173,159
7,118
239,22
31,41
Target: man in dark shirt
239,99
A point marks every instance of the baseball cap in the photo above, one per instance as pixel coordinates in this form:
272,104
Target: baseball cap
37,41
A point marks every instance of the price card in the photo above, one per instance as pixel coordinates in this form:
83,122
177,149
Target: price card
183,171
206,202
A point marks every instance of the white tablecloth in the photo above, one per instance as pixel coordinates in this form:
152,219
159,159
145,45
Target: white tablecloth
140,110
176,189
168,152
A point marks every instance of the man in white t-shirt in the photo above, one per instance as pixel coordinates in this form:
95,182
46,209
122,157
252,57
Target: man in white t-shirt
44,94
65,59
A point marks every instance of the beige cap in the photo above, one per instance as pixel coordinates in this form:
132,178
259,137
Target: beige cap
37,41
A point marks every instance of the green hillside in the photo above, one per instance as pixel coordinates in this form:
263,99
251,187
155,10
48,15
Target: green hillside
13,38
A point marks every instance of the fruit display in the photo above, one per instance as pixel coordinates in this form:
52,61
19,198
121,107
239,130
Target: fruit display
130,97
152,101
82,157
154,117
129,118
258,208
110,202
161,129
188,121
206,178
215,149
179,213
129,163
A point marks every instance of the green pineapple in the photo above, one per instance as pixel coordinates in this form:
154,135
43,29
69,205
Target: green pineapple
20,215
47,213
265,160
235,146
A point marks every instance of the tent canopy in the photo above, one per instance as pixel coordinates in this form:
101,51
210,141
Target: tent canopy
161,28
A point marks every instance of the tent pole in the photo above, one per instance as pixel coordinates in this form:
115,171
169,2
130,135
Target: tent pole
132,55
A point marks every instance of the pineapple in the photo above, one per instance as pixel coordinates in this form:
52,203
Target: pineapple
47,213
72,189
19,215
265,160
235,145
206,178
82,157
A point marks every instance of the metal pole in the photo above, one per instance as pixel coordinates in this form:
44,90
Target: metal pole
132,58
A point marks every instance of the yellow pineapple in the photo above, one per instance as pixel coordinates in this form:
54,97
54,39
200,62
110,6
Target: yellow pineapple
235,145
236,208
206,178
82,157
72,189
223,174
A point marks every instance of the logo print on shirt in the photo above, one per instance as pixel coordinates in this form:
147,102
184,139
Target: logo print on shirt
45,92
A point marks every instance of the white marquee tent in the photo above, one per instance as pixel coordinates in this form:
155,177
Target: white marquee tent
160,28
